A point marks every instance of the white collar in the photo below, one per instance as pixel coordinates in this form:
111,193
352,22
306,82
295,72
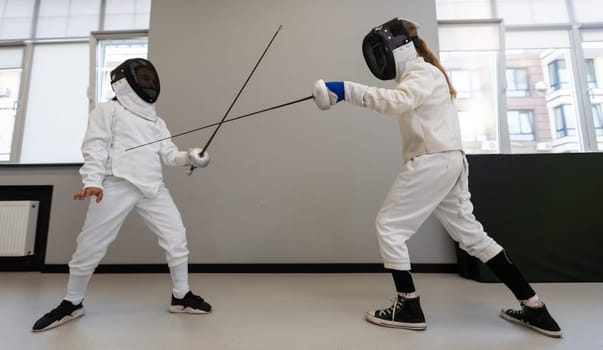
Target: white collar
128,98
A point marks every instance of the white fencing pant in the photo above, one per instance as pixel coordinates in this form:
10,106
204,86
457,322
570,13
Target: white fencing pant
431,183
104,220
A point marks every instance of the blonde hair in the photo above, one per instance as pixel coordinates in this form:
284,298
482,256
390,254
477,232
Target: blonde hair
424,51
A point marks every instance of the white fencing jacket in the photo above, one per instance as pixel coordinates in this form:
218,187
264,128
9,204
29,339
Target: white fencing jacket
111,130
427,115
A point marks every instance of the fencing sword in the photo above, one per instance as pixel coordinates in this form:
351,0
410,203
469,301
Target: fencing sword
222,122
236,98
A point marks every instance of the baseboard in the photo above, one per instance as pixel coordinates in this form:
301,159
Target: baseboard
257,268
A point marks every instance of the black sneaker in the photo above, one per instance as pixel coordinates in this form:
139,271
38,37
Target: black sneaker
190,304
65,312
537,318
404,313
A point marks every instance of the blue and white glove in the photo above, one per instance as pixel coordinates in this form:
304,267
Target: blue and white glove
327,94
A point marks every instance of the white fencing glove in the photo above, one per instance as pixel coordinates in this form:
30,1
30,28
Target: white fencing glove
194,157
327,94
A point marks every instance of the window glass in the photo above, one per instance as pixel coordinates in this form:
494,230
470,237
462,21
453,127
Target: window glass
593,55
591,78
517,82
463,9
520,125
469,54
537,39
565,122
110,53
558,74
127,14
57,109
585,10
10,82
543,57
64,18
598,120
16,18
524,12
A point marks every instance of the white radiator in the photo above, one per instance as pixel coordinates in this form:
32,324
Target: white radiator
18,227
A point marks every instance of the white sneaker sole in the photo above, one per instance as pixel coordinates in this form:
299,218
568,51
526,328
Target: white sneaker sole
393,324
179,309
552,334
77,313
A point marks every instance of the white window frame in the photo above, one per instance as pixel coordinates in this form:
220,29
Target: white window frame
95,37
15,150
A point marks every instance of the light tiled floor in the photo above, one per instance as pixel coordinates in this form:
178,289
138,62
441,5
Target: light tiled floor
289,311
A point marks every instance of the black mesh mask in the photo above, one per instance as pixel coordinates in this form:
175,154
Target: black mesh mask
141,75
379,44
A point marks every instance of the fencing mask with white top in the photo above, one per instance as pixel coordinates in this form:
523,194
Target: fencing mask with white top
388,48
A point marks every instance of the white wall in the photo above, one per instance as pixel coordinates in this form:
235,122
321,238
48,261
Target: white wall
291,185
295,185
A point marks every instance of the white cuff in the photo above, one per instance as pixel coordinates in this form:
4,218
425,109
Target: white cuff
354,93
93,184
180,158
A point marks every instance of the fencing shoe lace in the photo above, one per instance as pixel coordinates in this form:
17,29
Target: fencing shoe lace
536,318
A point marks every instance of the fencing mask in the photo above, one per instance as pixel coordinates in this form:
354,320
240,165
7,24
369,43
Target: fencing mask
388,47
141,76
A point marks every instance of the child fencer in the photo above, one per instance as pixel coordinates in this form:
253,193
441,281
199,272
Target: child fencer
434,175
122,181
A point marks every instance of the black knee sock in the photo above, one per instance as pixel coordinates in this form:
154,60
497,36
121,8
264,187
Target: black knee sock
403,281
510,275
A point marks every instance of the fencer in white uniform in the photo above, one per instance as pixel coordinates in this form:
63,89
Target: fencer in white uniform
434,177
123,181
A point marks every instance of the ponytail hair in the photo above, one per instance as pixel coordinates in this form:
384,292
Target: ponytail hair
424,51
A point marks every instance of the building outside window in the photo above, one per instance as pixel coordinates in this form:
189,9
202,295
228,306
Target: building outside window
521,125
558,75
564,121
518,82
551,64
598,120
591,77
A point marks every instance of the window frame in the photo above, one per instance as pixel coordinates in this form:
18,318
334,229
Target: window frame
521,136
561,116
18,128
31,42
95,38
527,91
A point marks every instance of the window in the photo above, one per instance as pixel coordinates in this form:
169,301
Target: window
565,122
132,14
44,99
11,60
466,83
63,19
585,10
517,82
591,78
111,50
558,75
463,9
521,125
598,120
546,43
470,53
522,12
16,17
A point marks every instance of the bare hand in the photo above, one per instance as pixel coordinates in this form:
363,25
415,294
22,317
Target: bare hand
89,191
